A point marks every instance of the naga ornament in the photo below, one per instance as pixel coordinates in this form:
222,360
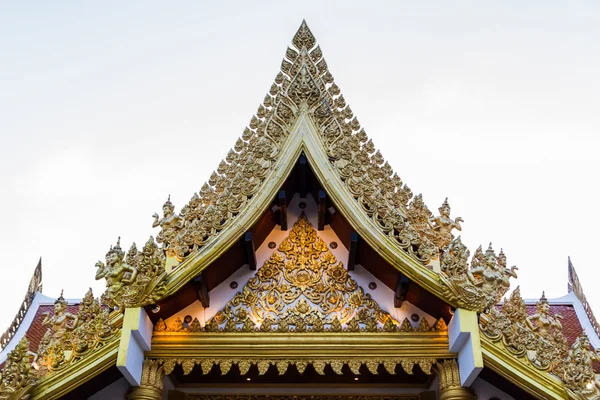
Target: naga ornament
138,281
480,285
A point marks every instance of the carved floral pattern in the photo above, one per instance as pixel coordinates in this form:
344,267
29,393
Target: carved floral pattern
72,337
282,365
301,288
546,349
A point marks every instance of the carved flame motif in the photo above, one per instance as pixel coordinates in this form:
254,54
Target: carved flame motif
18,376
302,287
69,337
545,350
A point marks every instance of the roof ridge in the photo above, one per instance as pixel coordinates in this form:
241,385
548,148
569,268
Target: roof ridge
305,85
35,285
574,286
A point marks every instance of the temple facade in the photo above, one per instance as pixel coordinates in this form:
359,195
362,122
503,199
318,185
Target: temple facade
303,268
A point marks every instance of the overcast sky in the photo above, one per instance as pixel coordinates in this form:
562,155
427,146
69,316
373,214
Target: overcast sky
108,107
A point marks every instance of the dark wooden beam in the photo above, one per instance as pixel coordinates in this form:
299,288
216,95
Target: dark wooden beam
250,250
353,251
202,290
322,204
282,210
302,167
402,286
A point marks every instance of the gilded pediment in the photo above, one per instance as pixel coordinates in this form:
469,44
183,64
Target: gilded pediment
302,287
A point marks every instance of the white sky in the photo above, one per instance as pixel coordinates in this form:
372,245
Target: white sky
107,107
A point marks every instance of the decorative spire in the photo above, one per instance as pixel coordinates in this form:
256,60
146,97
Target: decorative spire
444,205
168,203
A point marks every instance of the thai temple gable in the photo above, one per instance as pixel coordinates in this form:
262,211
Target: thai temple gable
303,267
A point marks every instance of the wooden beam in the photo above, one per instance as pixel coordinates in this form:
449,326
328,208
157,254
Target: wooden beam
353,251
302,167
282,210
202,290
250,250
401,290
322,204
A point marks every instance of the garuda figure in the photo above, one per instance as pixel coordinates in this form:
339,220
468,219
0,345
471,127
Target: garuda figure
138,281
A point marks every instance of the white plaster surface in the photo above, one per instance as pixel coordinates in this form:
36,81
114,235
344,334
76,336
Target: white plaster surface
139,342
466,344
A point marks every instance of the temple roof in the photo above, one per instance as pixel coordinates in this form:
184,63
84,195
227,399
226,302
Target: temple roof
305,116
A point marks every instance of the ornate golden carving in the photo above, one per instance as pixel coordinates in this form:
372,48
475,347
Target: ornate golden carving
443,225
301,288
447,372
479,286
18,376
578,371
449,381
151,385
538,338
542,322
35,285
170,224
71,337
304,85
139,280
282,365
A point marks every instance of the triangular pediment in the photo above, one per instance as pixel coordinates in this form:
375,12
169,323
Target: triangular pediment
304,112
301,287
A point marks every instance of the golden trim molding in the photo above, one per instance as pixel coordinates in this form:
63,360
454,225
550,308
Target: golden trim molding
282,364
298,344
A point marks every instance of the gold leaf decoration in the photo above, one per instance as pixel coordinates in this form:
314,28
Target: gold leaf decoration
138,281
225,366
304,85
282,366
538,338
478,286
302,287
408,365
244,366
71,337
17,377
355,366
372,365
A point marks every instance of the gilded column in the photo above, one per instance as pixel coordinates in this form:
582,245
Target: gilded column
449,377
151,386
